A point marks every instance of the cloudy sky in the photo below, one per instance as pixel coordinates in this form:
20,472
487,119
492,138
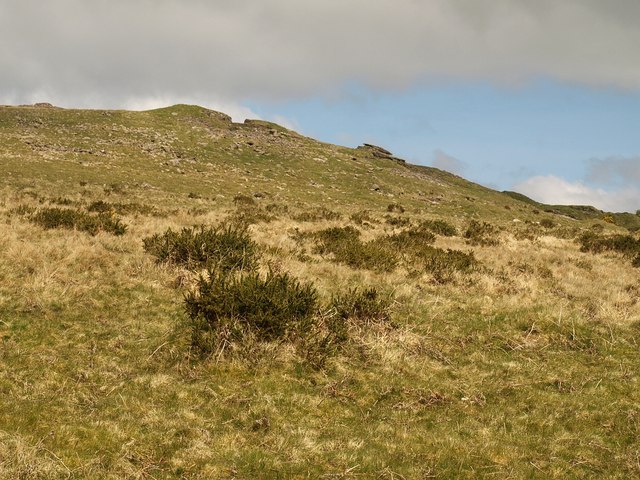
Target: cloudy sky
538,96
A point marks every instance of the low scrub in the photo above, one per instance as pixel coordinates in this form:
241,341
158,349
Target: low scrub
224,309
362,306
439,227
363,217
345,245
101,206
397,221
547,223
395,207
411,240
317,215
481,233
442,264
228,247
49,218
624,244
413,246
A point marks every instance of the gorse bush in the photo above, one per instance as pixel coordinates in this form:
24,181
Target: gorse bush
363,217
345,245
334,238
228,247
411,240
547,223
101,206
226,308
49,218
397,221
439,227
481,233
395,207
625,244
442,264
362,306
243,200
413,246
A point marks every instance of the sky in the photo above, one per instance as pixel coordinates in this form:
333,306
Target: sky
540,97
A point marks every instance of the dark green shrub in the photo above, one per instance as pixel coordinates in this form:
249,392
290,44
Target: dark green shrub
395,207
439,227
101,206
411,240
76,219
228,247
245,200
481,233
225,308
636,261
443,263
362,306
277,208
624,244
246,215
397,221
345,245
331,239
547,223
373,255
363,217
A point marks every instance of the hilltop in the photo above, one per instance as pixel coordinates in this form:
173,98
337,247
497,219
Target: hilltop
375,319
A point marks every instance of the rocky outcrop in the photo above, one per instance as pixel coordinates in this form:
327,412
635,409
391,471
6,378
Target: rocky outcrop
379,152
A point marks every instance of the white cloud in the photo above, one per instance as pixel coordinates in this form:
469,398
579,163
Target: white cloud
444,161
114,50
557,191
286,123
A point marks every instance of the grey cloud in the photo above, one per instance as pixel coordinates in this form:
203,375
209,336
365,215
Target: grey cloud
444,161
109,52
614,170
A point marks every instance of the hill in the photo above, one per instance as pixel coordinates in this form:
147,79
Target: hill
182,296
629,221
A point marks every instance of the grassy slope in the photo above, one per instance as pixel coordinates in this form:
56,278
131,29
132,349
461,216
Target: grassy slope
525,369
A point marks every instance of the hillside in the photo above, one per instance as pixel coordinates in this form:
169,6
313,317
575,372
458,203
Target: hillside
438,329
629,221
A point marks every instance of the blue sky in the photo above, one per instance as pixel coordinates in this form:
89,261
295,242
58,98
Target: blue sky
501,136
542,97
